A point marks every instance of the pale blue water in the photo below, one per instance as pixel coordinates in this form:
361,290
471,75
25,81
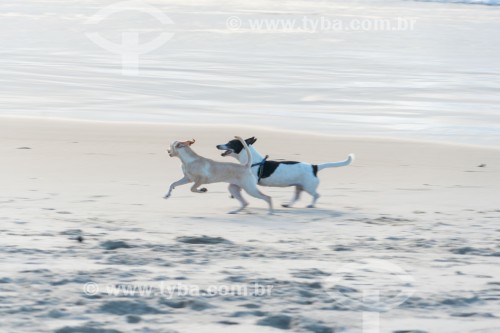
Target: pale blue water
440,81
468,2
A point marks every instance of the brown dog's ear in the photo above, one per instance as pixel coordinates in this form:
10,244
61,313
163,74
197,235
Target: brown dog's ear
185,143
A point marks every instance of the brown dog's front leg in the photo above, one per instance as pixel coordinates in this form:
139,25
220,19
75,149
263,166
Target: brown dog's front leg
180,182
195,188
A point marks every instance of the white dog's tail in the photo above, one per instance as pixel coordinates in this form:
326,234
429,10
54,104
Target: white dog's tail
348,161
249,155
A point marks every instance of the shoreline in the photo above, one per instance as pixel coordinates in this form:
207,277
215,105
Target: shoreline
256,128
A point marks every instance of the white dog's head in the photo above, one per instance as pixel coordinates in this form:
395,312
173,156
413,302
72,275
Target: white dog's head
235,147
177,145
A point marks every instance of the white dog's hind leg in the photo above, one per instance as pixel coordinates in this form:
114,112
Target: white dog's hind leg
185,180
311,188
296,196
235,191
315,198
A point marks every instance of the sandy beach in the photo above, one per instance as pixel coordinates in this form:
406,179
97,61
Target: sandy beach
425,208
404,240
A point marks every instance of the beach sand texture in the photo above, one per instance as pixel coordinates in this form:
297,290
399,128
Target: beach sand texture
427,208
84,167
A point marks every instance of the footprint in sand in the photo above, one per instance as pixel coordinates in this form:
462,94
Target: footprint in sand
227,322
74,329
128,307
283,322
202,240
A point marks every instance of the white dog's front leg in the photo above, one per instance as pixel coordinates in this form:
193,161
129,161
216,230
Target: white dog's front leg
185,180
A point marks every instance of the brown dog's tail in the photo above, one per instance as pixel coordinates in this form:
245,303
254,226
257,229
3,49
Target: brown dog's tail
249,155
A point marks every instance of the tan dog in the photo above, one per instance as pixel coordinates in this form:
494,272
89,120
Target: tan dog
201,170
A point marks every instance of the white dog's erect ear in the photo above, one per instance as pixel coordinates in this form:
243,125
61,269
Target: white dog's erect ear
251,141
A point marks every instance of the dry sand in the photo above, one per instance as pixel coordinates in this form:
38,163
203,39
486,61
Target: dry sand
426,208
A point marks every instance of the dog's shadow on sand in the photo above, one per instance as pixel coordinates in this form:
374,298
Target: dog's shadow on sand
312,214
299,214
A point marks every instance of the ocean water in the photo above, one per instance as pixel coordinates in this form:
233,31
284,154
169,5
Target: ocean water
469,2
438,80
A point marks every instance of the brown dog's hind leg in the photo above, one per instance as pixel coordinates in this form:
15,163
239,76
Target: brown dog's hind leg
251,188
235,191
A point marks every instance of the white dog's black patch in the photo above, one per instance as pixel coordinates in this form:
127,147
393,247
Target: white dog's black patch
315,170
268,167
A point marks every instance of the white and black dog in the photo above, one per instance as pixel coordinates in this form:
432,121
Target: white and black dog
303,176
